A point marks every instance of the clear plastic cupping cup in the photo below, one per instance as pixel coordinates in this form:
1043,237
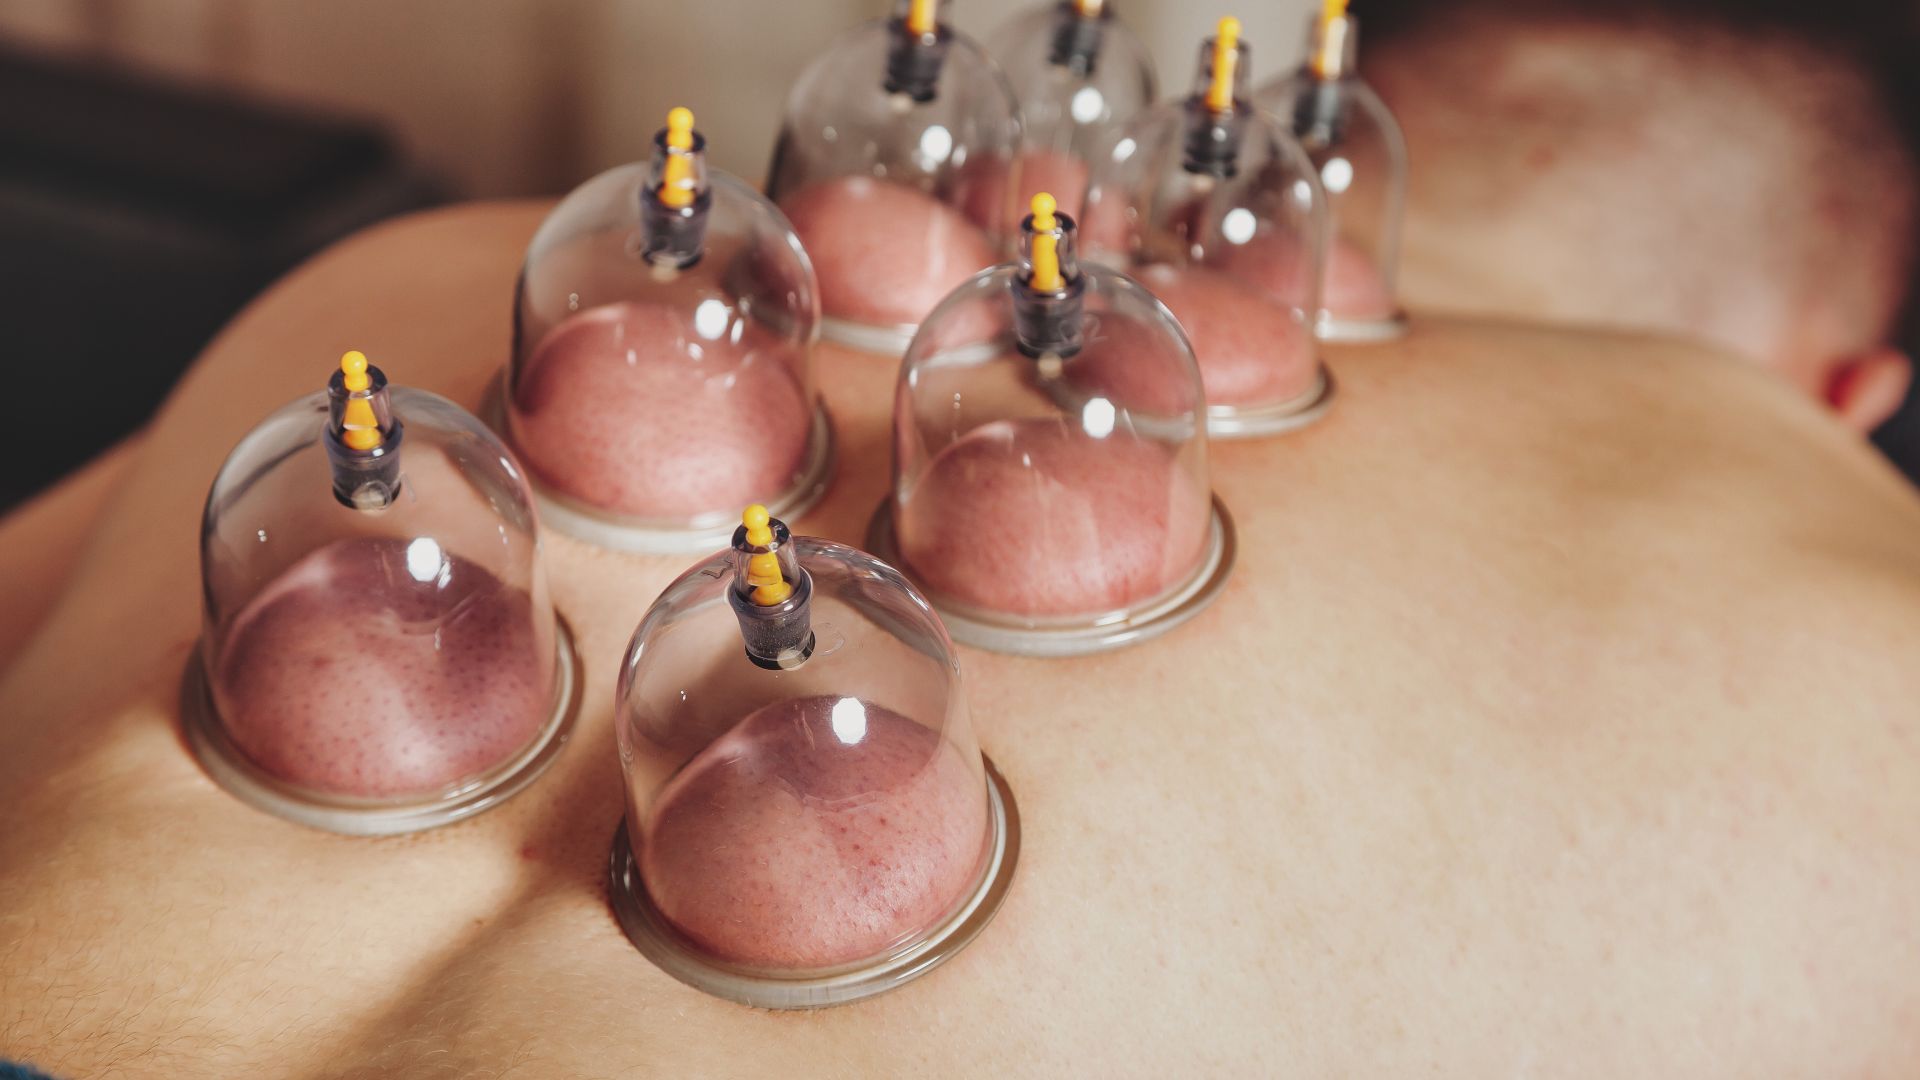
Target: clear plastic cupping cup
1213,205
897,162
661,369
380,654
1081,74
1050,490
809,817
1357,150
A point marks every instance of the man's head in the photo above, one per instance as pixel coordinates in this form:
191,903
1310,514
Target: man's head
1741,179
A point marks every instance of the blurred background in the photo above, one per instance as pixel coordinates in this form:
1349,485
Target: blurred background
525,97
161,161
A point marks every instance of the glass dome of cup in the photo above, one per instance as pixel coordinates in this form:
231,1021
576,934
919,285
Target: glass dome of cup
859,837
1220,213
653,390
1357,150
380,653
1080,75
896,161
1051,491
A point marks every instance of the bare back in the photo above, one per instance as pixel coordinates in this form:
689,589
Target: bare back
1560,719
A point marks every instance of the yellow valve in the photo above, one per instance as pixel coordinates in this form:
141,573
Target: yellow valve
921,16
1326,59
1088,9
759,525
1226,46
353,371
676,177
763,570
360,429
680,128
1046,250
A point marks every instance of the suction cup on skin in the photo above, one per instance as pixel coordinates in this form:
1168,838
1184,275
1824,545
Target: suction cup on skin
1214,206
810,820
1080,74
1051,490
380,654
1357,149
897,161
662,365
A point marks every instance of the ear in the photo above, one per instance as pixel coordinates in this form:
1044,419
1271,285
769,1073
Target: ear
1865,389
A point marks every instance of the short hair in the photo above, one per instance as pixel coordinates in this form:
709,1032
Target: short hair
1838,73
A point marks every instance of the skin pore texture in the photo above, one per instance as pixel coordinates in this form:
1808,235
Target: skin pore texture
1036,517
885,253
349,675
630,409
1747,191
1558,720
781,847
1236,303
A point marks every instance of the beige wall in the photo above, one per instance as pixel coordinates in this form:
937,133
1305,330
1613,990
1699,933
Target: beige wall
517,96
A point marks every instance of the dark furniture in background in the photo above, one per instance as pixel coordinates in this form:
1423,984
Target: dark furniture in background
135,218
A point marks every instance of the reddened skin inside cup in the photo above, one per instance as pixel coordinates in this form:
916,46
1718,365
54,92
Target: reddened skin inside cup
1212,205
897,160
1360,157
1050,447
378,632
809,816
661,373
1080,74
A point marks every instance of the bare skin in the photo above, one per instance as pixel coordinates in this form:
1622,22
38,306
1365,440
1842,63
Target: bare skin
42,539
1559,720
1663,177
